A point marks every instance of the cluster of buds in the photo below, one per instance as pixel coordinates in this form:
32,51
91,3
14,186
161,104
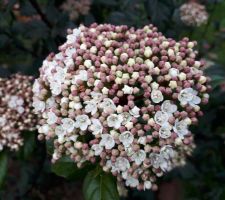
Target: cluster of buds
75,8
122,98
15,110
193,14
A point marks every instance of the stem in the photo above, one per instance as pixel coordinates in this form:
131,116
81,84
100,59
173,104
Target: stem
39,11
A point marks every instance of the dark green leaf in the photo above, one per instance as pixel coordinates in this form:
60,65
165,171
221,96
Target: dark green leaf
99,185
3,167
66,168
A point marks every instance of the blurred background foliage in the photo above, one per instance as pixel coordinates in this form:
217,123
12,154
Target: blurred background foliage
31,29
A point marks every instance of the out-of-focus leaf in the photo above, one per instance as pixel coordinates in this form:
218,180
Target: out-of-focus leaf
99,185
66,168
29,144
3,167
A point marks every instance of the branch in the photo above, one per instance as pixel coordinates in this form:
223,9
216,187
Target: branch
39,11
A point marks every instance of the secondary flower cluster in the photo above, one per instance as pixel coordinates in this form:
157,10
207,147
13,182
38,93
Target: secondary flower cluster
75,8
15,110
121,97
193,14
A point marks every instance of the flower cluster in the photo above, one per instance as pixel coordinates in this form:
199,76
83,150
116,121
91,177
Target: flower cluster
121,97
75,8
193,14
15,110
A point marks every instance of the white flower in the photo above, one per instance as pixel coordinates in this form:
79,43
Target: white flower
55,87
167,152
122,164
126,117
126,138
147,185
107,141
96,127
189,96
158,161
83,76
107,105
139,156
2,121
36,87
114,120
44,129
142,140
135,112
51,118
132,182
168,107
60,75
91,107
38,105
165,132
70,51
161,118
50,103
156,96
82,122
180,128
127,89
97,97
173,72
73,37
60,132
68,125
97,148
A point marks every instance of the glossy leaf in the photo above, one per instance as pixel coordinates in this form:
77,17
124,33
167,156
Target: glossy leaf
99,185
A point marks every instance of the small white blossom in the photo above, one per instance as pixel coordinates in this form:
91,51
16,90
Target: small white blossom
180,128
173,72
114,120
132,182
107,141
97,97
126,138
139,156
2,121
127,89
122,164
107,105
82,122
189,96
56,88
165,132
126,117
147,185
135,111
51,118
167,152
44,129
68,125
156,96
60,132
96,127
168,107
38,105
83,76
97,149
161,118
91,107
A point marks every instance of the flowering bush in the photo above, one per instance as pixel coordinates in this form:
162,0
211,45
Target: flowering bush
15,110
193,14
121,97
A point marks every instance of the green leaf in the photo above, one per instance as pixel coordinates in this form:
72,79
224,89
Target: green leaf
29,144
99,185
66,168
3,167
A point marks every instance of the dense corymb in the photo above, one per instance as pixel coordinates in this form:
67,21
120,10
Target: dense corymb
16,113
123,98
